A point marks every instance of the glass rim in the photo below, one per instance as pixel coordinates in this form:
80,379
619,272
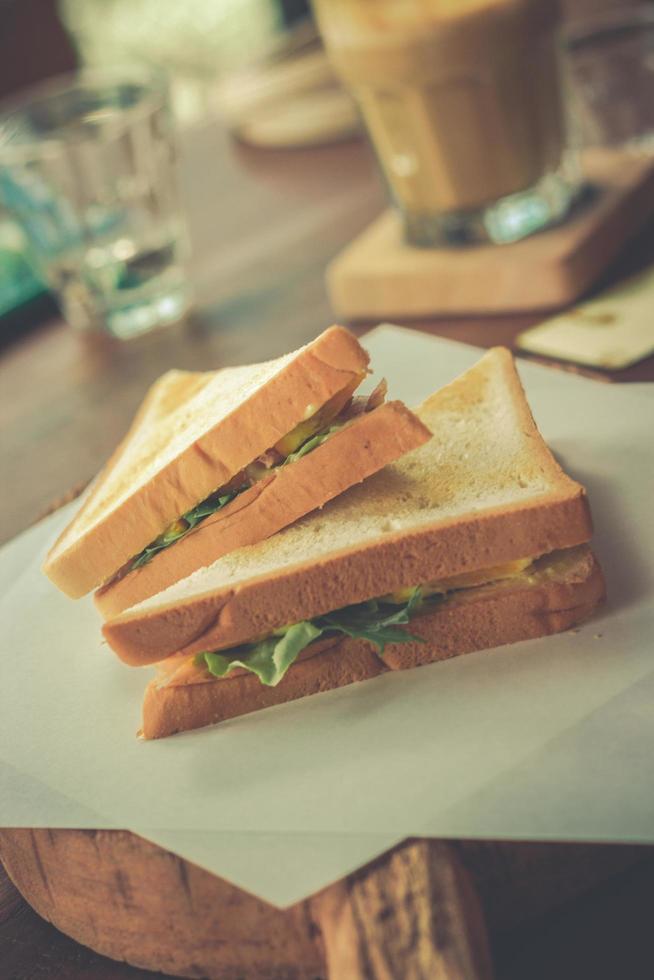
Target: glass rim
603,24
154,83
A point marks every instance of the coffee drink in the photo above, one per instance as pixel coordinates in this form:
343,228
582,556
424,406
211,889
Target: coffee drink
462,98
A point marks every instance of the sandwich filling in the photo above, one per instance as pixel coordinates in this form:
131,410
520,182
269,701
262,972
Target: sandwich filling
380,621
304,438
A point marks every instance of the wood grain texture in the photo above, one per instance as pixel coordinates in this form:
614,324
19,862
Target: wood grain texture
120,895
416,912
413,914
130,900
603,934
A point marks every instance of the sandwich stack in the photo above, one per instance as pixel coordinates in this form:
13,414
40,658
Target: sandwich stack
262,534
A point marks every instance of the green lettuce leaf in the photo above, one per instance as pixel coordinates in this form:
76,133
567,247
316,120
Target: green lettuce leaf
312,443
215,502
271,657
192,517
374,621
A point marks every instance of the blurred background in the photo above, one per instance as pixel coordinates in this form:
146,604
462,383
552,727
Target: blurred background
200,45
200,42
255,67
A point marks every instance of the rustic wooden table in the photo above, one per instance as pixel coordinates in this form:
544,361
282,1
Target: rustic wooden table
264,224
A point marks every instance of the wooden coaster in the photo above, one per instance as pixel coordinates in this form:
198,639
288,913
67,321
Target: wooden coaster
378,276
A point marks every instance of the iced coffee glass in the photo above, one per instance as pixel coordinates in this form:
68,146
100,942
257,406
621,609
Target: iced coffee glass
463,102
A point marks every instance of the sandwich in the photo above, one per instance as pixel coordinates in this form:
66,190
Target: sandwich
215,461
475,539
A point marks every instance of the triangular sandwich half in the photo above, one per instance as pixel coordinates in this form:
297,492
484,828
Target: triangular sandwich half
218,460
475,539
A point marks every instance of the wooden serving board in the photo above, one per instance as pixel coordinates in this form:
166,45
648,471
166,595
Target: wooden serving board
378,276
418,912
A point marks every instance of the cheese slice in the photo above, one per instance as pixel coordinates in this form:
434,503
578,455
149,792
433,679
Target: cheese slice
317,420
466,580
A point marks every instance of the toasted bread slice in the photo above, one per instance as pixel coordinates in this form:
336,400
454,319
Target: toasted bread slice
557,593
485,490
286,493
193,433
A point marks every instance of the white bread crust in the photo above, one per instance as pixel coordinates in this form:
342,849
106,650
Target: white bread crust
216,621
349,456
106,533
469,620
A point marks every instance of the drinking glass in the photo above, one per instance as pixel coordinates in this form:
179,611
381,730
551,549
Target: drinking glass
464,104
87,167
612,68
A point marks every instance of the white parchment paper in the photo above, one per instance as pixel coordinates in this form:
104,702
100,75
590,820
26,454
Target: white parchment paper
549,739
